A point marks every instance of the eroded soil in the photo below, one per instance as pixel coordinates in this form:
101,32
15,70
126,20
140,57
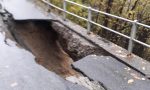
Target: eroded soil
41,40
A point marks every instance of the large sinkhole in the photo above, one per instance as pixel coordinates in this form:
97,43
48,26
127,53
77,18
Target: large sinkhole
39,38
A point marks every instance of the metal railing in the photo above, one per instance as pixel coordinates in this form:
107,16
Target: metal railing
89,22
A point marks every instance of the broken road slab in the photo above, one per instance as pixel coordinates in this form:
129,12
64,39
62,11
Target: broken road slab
113,74
19,71
24,10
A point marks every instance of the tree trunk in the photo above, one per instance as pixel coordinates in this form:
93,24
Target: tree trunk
106,18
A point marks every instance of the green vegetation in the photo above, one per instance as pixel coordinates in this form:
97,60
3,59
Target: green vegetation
130,9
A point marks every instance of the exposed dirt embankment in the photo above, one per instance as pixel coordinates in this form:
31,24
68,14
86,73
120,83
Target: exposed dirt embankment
41,40
75,44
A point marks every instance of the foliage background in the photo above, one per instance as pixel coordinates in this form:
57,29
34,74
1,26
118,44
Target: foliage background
130,9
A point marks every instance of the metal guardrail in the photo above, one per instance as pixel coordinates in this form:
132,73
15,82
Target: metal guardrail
89,20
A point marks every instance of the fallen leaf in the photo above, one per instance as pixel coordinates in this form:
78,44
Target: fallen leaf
143,79
135,76
128,69
130,81
14,84
143,68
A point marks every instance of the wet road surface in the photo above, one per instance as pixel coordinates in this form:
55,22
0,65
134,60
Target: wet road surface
24,10
113,74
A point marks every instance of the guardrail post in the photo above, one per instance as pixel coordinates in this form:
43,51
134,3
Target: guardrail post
89,19
132,35
64,7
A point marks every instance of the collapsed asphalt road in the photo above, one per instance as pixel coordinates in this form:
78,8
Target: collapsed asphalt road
39,38
36,37
19,71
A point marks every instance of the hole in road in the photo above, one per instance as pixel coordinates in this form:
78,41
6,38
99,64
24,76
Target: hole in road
39,38
42,41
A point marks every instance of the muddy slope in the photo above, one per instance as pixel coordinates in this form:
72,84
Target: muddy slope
41,40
